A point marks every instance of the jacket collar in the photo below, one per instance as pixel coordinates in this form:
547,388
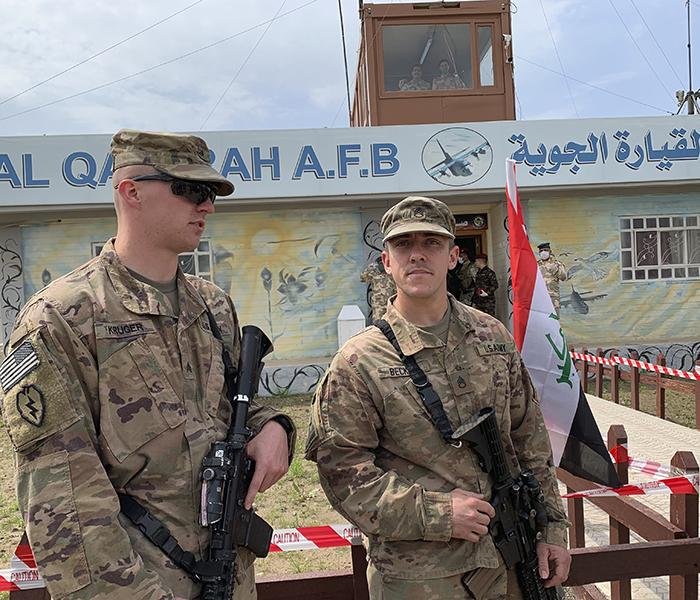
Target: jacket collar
143,299
412,339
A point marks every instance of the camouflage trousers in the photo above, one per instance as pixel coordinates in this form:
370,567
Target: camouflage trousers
482,584
556,302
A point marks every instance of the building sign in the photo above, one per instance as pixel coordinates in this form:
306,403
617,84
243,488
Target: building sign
56,170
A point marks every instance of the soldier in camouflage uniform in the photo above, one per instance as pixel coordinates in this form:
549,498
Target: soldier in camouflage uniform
447,80
381,287
384,465
416,83
485,286
553,272
116,384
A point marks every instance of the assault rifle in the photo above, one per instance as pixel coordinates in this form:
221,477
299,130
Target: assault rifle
518,501
226,475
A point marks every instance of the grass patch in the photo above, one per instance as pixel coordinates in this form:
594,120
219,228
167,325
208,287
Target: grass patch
680,407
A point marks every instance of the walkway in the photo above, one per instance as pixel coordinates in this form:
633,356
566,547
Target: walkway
649,438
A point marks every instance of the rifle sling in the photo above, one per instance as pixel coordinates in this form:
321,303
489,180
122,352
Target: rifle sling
427,393
153,528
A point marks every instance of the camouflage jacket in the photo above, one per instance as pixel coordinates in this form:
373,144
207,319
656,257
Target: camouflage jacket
121,396
553,272
384,465
382,287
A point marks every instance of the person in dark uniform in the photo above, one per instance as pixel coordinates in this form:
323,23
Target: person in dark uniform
485,286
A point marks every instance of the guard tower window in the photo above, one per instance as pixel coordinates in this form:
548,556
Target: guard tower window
432,57
485,41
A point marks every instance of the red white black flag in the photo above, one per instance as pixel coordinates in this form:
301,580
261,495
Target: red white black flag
577,445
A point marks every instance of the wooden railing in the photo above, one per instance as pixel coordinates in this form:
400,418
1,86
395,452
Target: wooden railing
671,548
593,377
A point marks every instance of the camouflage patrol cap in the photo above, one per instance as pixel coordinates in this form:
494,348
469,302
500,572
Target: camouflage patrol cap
181,156
418,214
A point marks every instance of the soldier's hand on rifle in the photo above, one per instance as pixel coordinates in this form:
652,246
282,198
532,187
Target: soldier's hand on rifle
471,515
270,452
553,557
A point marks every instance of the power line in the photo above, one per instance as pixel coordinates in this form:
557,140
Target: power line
595,87
345,59
243,64
629,33
653,37
561,65
154,67
100,53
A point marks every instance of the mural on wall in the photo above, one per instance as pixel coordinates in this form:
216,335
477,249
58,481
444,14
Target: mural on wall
598,308
11,292
288,272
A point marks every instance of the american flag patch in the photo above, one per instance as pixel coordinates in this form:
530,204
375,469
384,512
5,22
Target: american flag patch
19,364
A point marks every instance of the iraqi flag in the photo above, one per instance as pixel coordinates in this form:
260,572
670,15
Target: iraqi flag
577,445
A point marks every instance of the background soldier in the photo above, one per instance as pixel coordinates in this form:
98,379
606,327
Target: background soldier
553,272
416,83
387,468
116,384
485,286
381,287
447,80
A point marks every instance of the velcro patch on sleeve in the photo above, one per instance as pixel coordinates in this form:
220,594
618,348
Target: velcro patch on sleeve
37,404
488,348
18,365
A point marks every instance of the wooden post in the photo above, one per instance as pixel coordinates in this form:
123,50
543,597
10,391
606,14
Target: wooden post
599,370
619,534
584,374
615,380
359,572
660,390
684,514
577,529
634,382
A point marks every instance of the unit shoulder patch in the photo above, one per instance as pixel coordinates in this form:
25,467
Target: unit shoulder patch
36,399
30,405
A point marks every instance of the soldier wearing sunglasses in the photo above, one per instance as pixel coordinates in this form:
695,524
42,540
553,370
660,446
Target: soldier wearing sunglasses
114,383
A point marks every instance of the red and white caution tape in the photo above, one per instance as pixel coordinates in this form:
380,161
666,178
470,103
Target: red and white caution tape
649,467
22,574
313,538
630,362
672,485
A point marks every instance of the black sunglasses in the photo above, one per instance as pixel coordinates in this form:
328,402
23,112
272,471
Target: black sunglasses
194,191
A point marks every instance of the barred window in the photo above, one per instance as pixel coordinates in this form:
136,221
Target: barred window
661,247
198,262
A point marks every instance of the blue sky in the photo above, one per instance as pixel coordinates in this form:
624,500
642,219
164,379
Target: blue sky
293,77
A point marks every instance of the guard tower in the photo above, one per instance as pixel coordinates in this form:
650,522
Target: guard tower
434,62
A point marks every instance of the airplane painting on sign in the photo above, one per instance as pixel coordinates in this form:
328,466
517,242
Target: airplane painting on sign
457,156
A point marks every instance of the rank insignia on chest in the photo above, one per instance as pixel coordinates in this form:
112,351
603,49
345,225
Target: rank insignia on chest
398,371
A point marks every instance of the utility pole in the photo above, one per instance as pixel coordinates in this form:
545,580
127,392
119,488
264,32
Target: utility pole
691,98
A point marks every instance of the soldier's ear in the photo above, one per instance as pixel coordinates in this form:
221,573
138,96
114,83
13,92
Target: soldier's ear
386,261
